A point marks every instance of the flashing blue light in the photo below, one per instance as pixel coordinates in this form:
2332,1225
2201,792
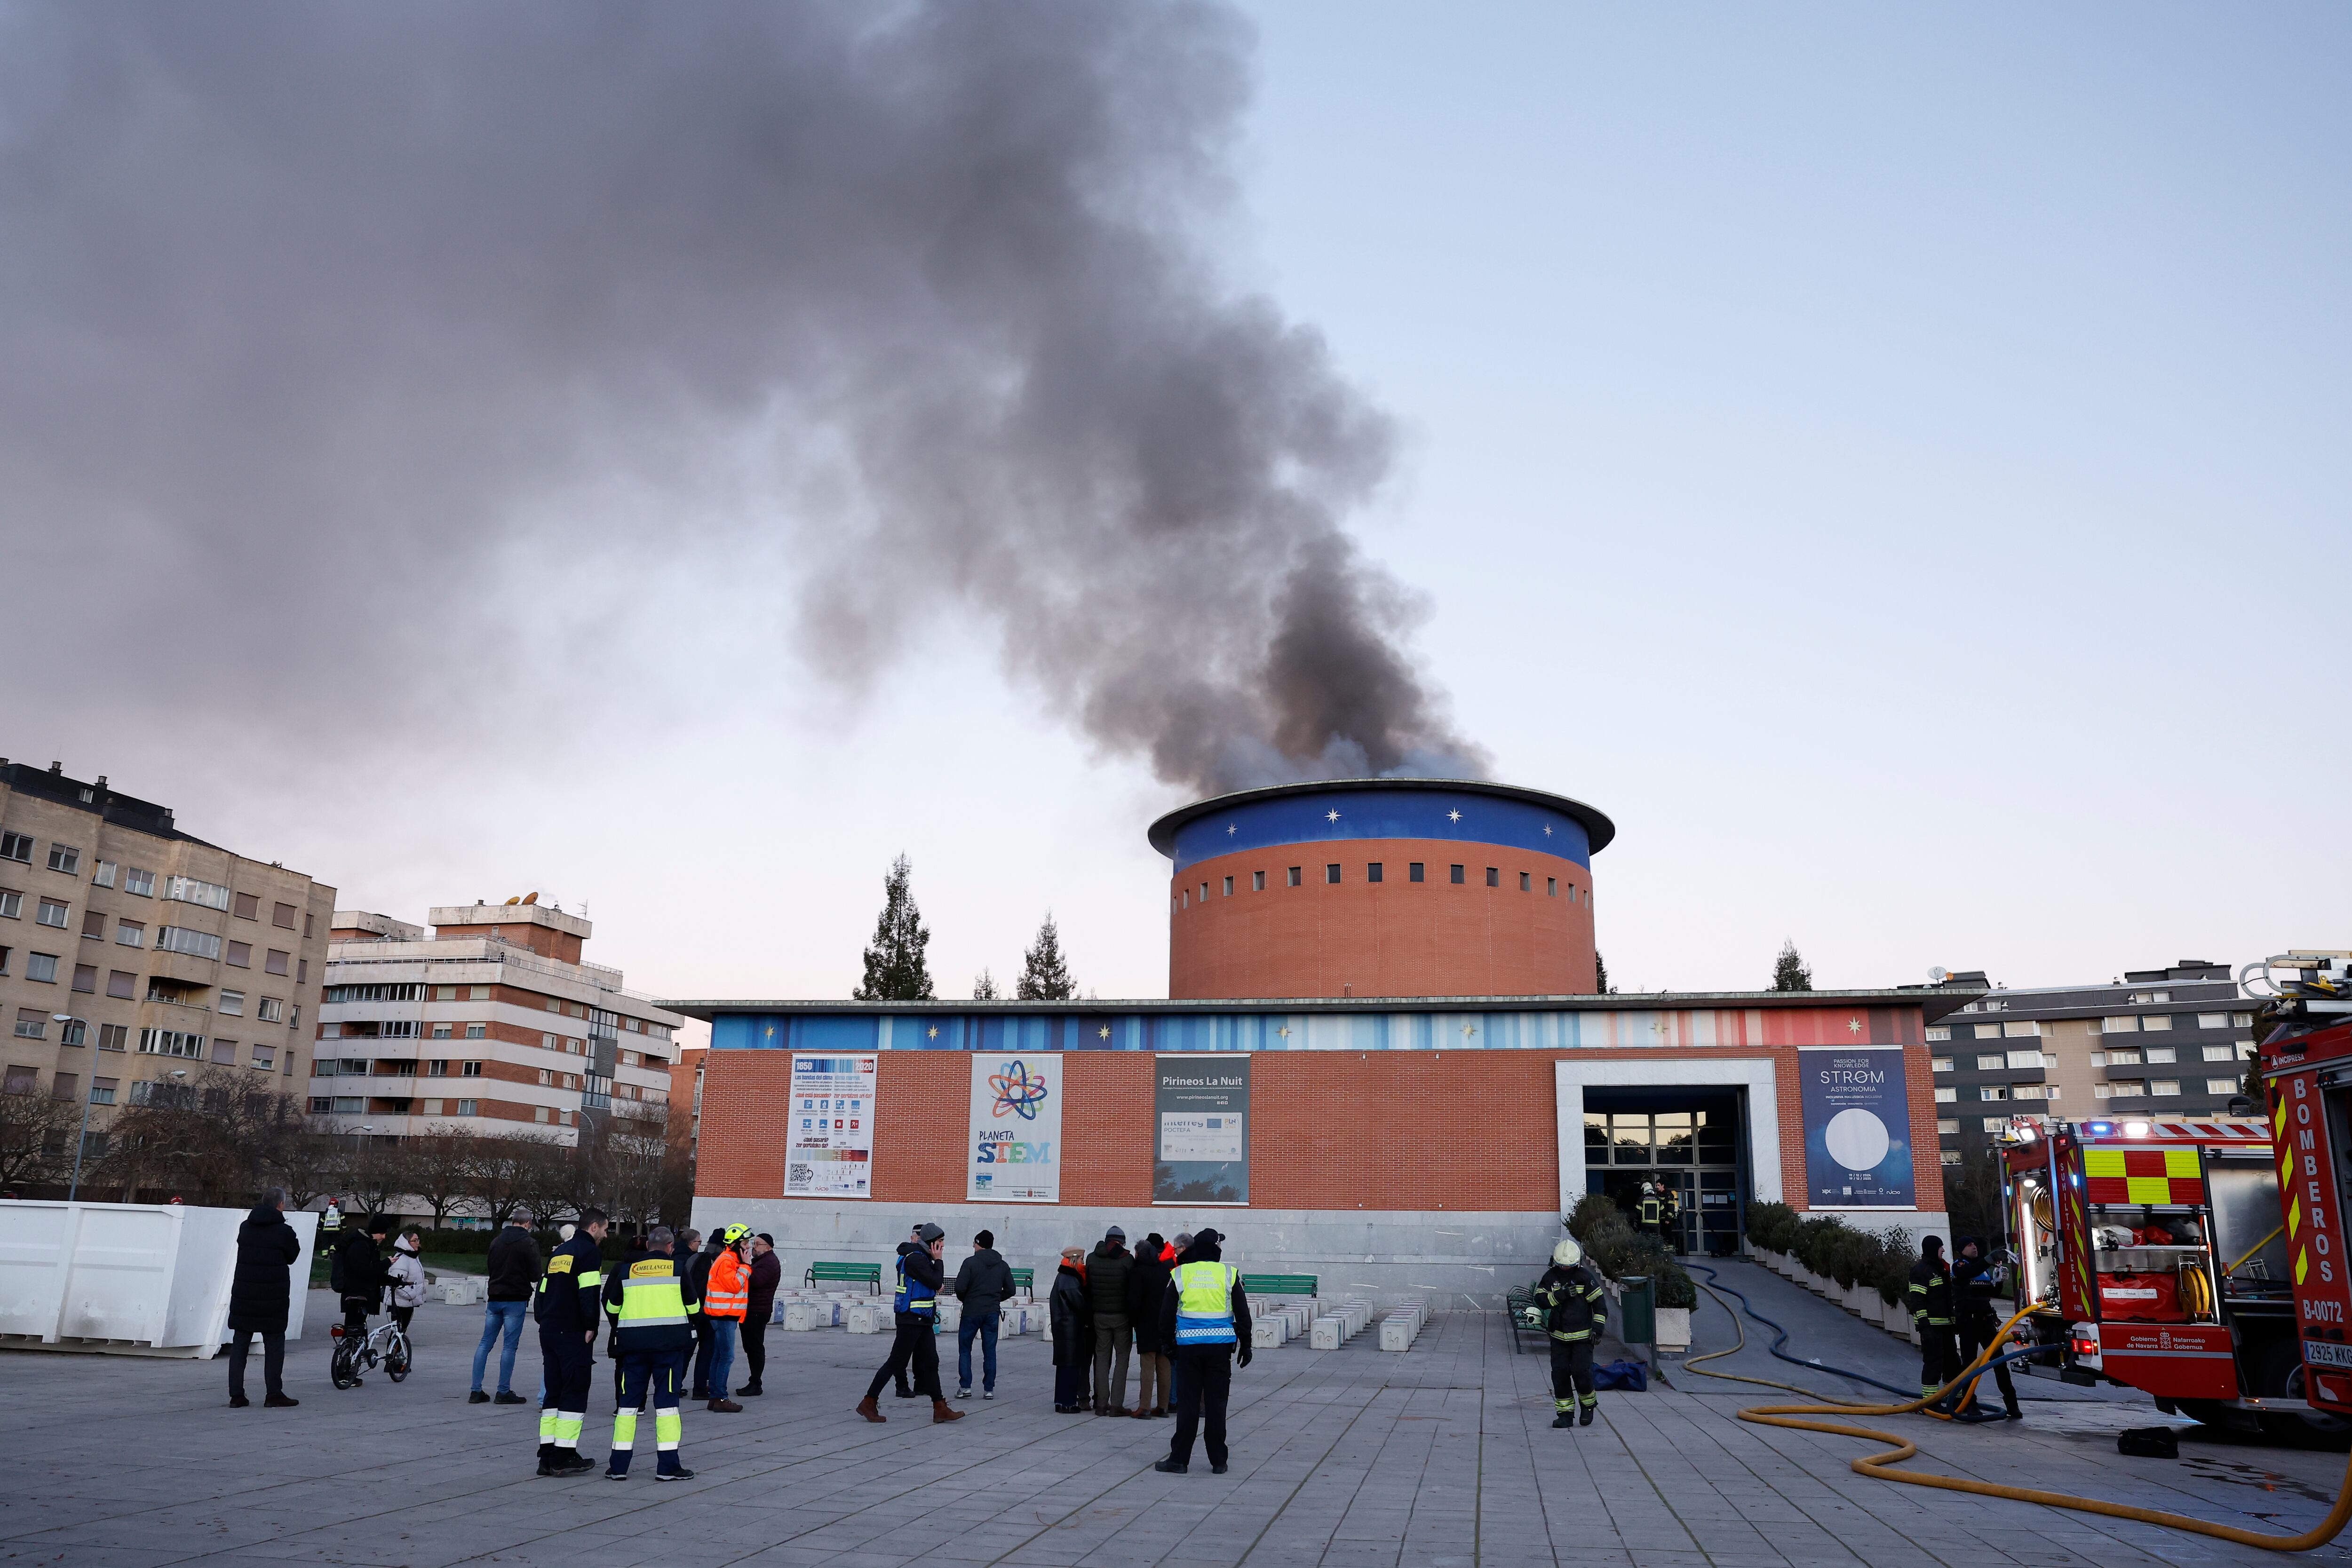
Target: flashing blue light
2102,1126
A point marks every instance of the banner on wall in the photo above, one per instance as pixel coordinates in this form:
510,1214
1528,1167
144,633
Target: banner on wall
829,1145
1200,1105
1016,1153
1857,1109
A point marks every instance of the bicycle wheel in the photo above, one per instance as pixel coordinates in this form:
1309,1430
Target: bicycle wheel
395,1358
340,1369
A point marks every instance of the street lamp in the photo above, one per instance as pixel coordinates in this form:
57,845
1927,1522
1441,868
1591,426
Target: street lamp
80,1142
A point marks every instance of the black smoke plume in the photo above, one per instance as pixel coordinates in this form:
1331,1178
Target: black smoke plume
309,311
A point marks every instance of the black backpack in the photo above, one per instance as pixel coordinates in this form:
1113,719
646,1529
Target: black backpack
335,1273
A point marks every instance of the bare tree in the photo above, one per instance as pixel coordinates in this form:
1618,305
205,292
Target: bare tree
502,1173
442,1167
309,1165
628,1153
376,1172
545,1179
35,1135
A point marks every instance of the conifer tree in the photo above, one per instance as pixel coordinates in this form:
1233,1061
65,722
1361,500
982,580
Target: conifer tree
983,988
1044,976
895,969
1789,973
1599,974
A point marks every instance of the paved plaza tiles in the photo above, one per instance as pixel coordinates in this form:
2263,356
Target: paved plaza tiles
1353,1459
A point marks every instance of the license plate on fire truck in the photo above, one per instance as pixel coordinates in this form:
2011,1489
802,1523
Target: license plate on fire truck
2323,1353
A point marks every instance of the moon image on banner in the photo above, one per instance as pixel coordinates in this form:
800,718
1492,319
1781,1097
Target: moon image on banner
1856,1139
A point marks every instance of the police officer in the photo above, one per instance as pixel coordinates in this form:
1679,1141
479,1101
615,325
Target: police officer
1976,1281
1570,1296
570,1292
916,1309
1203,1319
1931,1314
653,1309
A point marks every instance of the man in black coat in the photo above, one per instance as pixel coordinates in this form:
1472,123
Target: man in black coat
1975,1280
982,1284
698,1279
1073,1334
1146,1283
258,1296
360,1272
1108,1266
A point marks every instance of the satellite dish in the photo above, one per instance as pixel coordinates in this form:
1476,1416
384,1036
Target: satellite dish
532,898
1938,975
517,899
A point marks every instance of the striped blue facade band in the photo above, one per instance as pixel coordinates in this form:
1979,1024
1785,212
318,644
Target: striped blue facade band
1447,811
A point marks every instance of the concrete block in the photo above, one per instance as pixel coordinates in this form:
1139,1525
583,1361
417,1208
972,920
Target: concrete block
1328,1334
1397,1331
1269,1331
800,1316
863,1317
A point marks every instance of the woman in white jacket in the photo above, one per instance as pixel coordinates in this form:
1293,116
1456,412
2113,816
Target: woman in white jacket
407,1275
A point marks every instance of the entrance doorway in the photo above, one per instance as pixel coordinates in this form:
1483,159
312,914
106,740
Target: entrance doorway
1688,1140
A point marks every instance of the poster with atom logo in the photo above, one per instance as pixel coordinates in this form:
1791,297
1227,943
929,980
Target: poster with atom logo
1015,1154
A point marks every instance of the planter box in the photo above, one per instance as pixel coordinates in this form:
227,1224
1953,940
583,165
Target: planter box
1674,1328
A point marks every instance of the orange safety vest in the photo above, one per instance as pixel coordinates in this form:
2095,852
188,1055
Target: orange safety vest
729,1292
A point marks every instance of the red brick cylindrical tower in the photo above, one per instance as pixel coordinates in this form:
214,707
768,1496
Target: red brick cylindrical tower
1389,887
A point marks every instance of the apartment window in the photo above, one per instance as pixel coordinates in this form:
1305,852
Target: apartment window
547,1042
265,1057
113,1037
270,1010
1372,870
577,1011
2212,1021
2098,1059
282,917
442,1031
1552,887
398,1069
1331,872
1947,1125
2157,1020
32,1023
273,962
102,874
2221,1053
302,970
12,905
2031,1092
130,933
101,1090
539,1113
2015,1029
170,1042
1946,1095
15,847
2240,1021
141,882
232,1004
477,1031
1939,1032
2162,1053
51,912
1257,881
93,925
238,953
467,1107
2124,1058
188,890
1991,1063
572,1046
1987,1031
445,993
73,1031
2127,1088
1951,1157
2221,1086
2143,998
1992,1091
224,1053
1493,876
1939,1065
2026,1059
246,906
1293,876
2119,1026
564,1117
1996,1125
481,993
546,1079
41,966
64,857
436,1069
2164,1086
469,1069
86,978
180,939
306,926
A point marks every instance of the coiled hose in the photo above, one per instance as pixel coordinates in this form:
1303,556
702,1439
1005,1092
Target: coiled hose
1876,1465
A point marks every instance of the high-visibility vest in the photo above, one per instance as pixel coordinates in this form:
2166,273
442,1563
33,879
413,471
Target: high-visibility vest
729,1292
1649,1211
913,1295
653,1313
1204,1304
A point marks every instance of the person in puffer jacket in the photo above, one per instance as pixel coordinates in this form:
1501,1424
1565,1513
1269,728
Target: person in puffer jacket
406,1276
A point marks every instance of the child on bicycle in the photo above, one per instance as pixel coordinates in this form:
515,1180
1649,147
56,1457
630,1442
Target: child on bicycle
405,1276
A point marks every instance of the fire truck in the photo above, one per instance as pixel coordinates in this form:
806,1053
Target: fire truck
2158,1254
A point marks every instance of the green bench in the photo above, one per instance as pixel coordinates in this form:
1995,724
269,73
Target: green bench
1261,1286
1025,1280
867,1274
1515,1303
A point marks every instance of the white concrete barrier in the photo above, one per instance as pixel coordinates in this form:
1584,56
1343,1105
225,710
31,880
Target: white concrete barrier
800,1317
1399,1328
128,1278
863,1317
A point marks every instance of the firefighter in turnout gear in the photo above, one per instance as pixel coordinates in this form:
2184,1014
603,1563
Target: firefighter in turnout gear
652,1306
1976,1281
566,1305
1650,1215
916,1351
1570,1297
1932,1316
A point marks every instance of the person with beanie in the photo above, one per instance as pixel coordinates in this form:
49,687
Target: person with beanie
914,1349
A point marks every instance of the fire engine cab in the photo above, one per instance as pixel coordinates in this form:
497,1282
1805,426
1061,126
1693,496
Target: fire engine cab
2153,1255
2307,1062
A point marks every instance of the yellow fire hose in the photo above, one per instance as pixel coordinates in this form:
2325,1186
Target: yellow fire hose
1875,1465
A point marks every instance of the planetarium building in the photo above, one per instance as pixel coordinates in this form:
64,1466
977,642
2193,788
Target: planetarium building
1383,1061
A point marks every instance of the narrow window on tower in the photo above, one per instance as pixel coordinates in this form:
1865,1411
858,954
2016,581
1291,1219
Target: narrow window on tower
1293,876
1412,872
1331,871
1204,893
1526,884
1457,877
1552,887
1257,881
1229,887
1373,872
1493,876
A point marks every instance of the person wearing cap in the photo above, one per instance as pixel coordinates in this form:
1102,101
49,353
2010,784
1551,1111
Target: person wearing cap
1073,1334
653,1311
725,1296
1205,1321
914,1349
1569,1298
767,1274
1108,1271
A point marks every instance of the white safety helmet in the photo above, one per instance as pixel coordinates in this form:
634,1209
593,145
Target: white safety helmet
1568,1254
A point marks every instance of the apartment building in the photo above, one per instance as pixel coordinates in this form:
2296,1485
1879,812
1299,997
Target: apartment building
686,1100
2165,1042
132,953
493,1023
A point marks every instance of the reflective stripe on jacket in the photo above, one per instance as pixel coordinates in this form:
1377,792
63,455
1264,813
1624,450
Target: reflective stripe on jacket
728,1292
1572,1298
1204,1304
653,1305
913,1295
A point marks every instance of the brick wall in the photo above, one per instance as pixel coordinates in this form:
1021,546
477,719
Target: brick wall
1333,1130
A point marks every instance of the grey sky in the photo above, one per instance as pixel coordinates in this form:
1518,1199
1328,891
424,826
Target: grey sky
1867,455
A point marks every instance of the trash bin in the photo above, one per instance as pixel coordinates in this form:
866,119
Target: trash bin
1637,1318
